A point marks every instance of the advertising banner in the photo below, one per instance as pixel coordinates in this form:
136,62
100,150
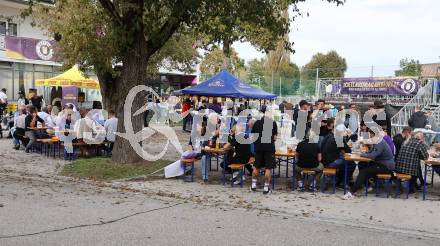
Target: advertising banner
379,86
70,95
26,48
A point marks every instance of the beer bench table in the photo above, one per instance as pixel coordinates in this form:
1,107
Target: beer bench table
352,157
209,152
432,162
287,157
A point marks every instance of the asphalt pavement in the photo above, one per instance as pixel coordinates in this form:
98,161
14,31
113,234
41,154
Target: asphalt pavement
35,212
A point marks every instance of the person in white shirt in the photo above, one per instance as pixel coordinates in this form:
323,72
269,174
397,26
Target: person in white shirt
3,96
111,126
3,100
22,100
17,131
44,114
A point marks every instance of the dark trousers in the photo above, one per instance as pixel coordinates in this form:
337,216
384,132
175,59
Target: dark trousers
366,173
186,121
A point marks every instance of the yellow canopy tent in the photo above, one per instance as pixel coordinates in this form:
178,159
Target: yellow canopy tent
72,77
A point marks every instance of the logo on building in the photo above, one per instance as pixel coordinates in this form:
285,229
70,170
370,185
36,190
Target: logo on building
408,86
44,50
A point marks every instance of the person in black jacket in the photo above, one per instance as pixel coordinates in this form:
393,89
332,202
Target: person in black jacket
400,138
418,120
31,121
333,155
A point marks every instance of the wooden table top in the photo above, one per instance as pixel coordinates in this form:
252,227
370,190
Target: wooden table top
355,157
433,161
39,128
280,153
216,151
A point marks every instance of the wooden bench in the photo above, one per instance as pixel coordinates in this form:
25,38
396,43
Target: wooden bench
329,172
190,163
383,177
240,168
406,178
305,174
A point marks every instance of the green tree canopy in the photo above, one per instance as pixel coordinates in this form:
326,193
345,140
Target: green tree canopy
330,65
409,68
120,40
212,62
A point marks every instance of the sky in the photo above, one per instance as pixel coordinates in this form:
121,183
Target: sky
367,33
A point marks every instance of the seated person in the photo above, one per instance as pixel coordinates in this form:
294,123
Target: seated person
333,155
410,155
85,129
111,126
44,114
18,129
241,152
382,162
308,156
31,121
197,143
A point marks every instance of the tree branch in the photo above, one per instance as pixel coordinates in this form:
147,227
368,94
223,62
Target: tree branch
174,21
111,9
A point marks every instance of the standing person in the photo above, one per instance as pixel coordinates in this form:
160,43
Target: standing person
282,105
382,118
321,111
36,100
410,155
31,121
22,100
264,146
382,161
111,126
215,106
418,119
186,106
303,108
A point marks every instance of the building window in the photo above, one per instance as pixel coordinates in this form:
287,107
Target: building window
12,29
2,28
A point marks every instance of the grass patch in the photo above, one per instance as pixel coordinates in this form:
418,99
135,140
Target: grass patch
104,169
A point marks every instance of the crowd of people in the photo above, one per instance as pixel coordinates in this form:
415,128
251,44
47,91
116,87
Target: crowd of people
324,133
34,119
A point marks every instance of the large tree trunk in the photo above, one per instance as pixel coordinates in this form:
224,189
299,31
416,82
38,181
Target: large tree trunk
108,81
134,72
226,54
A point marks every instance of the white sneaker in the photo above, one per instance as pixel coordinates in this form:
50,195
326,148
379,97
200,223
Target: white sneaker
266,189
237,182
348,196
235,174
254,185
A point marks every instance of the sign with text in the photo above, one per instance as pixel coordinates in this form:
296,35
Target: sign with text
379,86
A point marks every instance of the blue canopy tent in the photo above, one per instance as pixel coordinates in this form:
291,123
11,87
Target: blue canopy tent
225,84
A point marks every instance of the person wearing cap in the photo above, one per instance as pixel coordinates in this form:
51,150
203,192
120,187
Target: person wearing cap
22,100
266,131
